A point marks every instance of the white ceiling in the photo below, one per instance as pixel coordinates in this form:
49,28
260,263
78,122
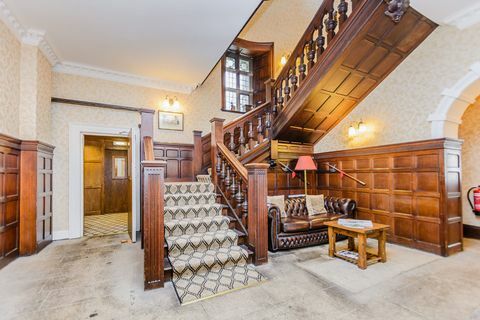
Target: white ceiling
174,42
448,11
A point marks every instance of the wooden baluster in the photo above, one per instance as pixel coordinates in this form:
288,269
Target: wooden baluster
320,41
311,53
268,125
251,142
275,103
241,142
260,130
286,90
331,24
223,171
302,67
228,179
342,11
280,98
244,208
231,144
218,165
294,78
233,186
239,195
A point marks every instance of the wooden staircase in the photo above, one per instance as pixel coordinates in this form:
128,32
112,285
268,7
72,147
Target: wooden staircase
347,50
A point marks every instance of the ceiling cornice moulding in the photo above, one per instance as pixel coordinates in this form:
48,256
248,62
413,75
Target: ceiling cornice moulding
467,18
27,36
115,76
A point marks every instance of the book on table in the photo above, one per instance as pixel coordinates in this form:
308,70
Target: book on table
353,223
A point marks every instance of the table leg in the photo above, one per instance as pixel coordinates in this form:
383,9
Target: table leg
351,244
382,252
331,242
362,251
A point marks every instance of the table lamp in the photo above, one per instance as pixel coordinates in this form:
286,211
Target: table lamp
305,163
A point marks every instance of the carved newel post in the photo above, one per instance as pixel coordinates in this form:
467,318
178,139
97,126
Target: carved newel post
257,211
217,136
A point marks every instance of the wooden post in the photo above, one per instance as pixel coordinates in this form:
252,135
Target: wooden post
257,211
268,90
153,223
216,136
146,129
197,153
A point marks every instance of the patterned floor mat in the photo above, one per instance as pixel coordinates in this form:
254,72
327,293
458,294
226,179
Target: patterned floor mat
105,224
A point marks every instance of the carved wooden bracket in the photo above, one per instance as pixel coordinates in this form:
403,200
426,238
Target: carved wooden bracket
396,9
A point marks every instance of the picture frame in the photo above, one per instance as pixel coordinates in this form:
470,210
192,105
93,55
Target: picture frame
170,120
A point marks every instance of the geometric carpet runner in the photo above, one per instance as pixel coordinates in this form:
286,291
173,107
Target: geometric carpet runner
202,250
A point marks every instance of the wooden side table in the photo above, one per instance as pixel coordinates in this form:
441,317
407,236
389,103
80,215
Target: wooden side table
377,231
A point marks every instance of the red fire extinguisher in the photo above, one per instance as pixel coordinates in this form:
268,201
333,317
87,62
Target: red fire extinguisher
476,199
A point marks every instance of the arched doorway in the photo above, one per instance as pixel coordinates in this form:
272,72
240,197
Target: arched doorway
458,116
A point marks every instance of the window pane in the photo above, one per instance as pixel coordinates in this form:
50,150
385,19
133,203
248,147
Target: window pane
231,80
230,100
244,82
244,65
244,99
230,63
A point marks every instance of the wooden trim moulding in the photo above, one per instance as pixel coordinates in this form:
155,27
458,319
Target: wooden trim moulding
101,105
394,148
470,231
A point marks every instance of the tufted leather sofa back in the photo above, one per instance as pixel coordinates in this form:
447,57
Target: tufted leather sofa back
296,207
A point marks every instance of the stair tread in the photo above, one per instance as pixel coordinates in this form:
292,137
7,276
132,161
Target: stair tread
212,234
198,220
189,194
187,244
195,206
198,261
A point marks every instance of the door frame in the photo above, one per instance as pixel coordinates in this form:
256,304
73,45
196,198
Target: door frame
77,133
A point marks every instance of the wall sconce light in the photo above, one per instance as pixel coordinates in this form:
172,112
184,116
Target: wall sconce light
171,104
284,59
357,129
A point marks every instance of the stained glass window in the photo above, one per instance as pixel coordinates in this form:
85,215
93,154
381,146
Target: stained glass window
238,81
244,65
231,80
231,100
230,63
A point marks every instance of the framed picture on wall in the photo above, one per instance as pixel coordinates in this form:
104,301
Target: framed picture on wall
170,120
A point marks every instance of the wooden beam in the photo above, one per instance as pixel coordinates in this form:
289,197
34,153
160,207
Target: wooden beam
101,105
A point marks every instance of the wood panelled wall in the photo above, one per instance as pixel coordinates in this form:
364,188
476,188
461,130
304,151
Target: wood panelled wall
26,195
179,159
9,198
413,187
280,181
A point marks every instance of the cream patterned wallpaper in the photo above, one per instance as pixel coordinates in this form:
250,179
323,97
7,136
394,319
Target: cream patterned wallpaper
9,82
397,110
470,133
44,96
28,93
62,117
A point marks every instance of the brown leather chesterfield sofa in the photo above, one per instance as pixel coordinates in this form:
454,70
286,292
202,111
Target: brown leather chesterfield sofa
299,229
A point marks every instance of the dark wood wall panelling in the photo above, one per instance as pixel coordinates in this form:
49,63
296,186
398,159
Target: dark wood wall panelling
179,159
36,196
9,198
281,182
413,187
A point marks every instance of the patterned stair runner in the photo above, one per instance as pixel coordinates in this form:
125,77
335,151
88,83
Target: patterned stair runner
204,253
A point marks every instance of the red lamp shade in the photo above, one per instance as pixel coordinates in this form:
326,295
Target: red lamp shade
305,163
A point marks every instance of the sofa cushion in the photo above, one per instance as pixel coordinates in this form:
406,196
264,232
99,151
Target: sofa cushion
278,201
315,205
295,225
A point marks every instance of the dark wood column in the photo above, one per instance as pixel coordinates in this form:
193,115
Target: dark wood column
197,153
257,211
153,173
36,195
217,136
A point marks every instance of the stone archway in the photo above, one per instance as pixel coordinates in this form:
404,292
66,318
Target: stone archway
448,116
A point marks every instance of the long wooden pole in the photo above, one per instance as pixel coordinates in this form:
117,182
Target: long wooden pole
346,174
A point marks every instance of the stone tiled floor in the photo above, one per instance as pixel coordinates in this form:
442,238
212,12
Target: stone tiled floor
101,278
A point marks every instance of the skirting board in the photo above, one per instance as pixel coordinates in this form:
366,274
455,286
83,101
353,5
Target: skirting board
60,235
470,231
